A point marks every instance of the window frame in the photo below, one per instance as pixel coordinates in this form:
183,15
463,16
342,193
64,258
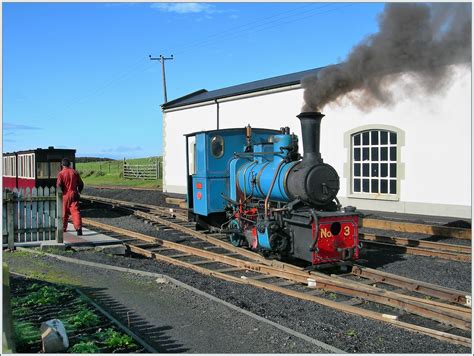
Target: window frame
26,166
349,165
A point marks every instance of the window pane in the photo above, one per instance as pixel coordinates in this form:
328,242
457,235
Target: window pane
375,185
393,170
383,137
55,168
365,138
356,185
393,186
383,169
393,138
365,185
375,170
357,140
365,154
357,154
384,153
383,186
365,169
393,153
374,154
217,146
42,169
356,169
374,137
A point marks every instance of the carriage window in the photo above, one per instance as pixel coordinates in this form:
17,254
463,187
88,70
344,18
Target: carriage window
42,170
9,166
374,162
55,168
217,146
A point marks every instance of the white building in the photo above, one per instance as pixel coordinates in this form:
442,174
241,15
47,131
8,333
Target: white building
412,157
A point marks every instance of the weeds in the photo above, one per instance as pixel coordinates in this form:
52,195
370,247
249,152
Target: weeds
85,347
115,339
44,295
84,318
25,333
351,333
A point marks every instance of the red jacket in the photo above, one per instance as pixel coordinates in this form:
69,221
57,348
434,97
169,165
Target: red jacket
69,181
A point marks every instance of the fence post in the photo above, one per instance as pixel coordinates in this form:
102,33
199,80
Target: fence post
59,216
11,222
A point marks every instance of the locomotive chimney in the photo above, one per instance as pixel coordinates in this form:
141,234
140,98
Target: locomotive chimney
310,134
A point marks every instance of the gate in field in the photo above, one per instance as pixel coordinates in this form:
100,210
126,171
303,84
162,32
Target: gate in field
142,171
32,216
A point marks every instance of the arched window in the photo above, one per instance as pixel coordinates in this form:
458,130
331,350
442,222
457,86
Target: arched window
374,162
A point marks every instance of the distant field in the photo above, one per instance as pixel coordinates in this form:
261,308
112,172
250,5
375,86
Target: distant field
109,173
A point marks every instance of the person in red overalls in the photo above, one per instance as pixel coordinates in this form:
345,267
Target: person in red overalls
71,185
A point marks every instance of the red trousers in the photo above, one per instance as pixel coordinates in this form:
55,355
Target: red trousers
71,207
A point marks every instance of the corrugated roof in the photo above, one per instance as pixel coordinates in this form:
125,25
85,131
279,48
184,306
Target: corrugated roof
251,87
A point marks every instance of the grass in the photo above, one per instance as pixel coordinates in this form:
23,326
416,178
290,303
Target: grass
109,173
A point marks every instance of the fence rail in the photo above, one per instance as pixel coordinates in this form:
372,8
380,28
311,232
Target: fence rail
31,215
142,171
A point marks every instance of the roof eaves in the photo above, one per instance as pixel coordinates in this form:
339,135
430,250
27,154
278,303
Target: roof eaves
187,96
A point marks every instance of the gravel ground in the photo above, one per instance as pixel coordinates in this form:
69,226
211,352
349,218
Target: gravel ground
151,197
347,332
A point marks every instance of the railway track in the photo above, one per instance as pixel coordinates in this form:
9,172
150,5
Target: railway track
211,255
419,247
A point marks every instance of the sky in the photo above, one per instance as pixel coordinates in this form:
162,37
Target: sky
78,75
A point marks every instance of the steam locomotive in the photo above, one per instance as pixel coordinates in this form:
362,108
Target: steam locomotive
253,185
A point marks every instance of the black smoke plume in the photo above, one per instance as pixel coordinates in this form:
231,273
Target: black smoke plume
416,38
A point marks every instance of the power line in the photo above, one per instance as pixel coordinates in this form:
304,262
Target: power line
244,28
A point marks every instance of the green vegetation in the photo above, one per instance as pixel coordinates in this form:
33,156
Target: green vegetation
45,295
25,333
351,333
84,318
109,173
85,347
115,339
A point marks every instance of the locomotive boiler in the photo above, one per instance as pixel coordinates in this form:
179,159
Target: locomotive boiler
253,185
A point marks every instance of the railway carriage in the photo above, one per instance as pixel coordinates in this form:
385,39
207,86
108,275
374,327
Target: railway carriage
34,168
253,185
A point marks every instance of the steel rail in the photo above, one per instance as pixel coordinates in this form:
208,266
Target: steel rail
422,251
448,294
453,232
175,212
411,305
402,241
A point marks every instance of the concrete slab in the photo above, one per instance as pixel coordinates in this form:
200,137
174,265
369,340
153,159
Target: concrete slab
89,237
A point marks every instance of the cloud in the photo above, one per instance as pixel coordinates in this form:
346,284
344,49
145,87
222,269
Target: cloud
14,127
185,8
122,149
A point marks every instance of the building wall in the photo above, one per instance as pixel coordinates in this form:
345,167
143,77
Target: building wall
175,125
434,141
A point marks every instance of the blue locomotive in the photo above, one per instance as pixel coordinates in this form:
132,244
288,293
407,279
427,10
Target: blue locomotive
253,185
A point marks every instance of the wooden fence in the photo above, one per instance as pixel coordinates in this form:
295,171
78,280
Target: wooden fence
142,171
32,216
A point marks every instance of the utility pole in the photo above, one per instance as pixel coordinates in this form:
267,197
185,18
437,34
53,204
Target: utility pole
162,60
